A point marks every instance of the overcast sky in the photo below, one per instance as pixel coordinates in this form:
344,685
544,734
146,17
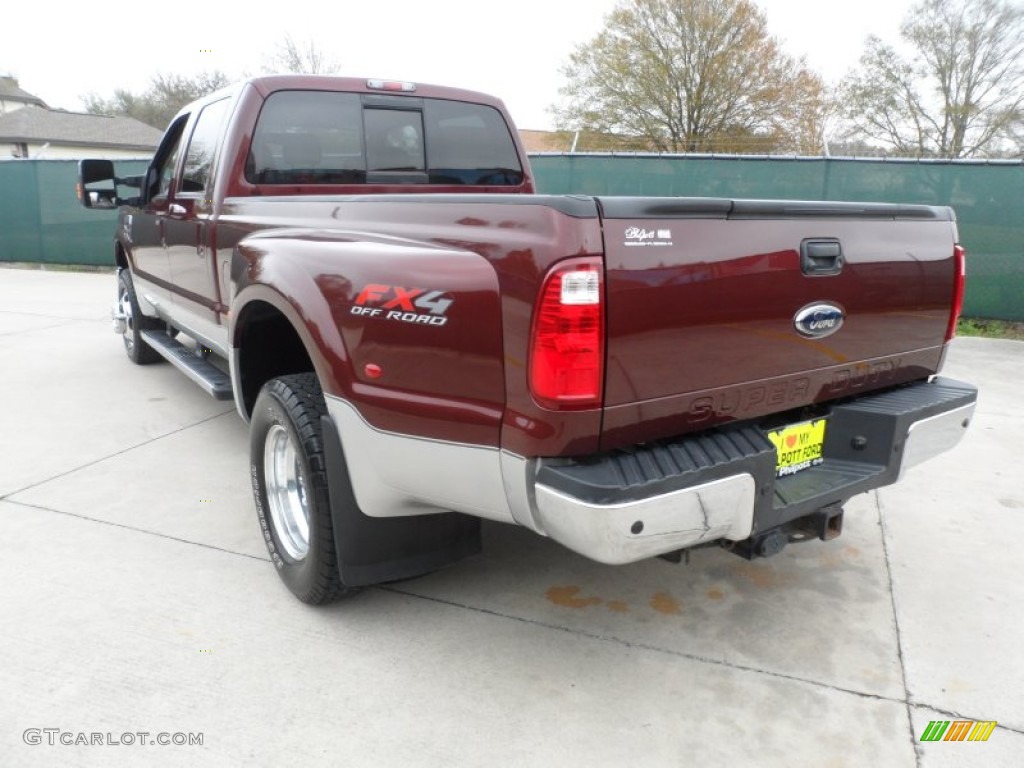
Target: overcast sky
513,50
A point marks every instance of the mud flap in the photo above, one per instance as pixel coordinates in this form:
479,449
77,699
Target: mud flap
373,550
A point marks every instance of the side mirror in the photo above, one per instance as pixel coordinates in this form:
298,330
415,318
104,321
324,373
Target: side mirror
97,185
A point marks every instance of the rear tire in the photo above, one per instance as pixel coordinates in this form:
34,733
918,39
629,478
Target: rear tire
138,351
289,481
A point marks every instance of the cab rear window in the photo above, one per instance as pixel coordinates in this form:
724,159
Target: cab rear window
321,137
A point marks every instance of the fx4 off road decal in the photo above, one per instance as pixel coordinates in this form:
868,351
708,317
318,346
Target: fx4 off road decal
406,305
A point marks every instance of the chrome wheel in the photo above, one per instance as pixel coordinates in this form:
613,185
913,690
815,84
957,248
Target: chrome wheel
286,492
129,322
124,307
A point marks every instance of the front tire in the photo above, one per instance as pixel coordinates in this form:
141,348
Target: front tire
138,351
289,477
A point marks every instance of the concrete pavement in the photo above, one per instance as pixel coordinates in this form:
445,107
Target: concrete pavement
136,596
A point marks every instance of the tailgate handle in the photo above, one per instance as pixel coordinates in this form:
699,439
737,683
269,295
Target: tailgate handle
821,256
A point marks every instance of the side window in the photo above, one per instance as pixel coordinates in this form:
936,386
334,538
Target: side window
161,173
167,172
199,158
308,137
394,140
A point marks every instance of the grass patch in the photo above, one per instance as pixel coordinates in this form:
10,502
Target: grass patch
992,329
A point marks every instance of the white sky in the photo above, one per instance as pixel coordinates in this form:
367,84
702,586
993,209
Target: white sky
513,50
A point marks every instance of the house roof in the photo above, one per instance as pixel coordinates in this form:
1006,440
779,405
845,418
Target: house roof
36,125
9,91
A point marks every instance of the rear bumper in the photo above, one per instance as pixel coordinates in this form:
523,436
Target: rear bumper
674,494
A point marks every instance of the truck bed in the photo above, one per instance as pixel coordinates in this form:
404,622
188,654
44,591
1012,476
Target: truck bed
701,296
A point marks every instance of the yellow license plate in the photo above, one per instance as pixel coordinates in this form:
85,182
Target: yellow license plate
798,446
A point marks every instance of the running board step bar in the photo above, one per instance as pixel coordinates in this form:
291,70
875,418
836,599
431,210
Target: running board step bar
204,373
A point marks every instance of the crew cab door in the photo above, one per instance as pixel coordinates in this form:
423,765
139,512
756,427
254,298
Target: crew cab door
147,226
188,228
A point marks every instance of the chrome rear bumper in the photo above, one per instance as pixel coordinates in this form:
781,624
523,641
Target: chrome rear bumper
625,533
666,496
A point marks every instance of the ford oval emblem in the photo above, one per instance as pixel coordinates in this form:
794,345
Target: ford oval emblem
816,321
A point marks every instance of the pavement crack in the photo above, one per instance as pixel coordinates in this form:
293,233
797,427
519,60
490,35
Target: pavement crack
896,623
8,496
126,527
645,646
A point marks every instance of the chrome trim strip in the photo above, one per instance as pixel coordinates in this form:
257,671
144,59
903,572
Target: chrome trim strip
171,313
605,532
937,434
203,338
146,301
395,475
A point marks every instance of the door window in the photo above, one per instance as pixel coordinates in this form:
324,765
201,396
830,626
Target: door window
199,158
161,173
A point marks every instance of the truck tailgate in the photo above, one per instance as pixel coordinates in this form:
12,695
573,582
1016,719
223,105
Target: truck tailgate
704,297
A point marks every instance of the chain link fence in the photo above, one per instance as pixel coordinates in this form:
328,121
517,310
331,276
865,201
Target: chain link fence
41,220
988,198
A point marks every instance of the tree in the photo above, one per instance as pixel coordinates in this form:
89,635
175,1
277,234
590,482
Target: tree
161,101
299,58
692,75
959,92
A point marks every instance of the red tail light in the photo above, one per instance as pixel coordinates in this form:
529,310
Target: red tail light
960,268
567,343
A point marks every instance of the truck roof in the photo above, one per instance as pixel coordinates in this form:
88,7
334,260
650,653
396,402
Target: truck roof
267,84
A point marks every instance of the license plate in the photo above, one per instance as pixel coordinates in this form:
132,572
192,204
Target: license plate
798,446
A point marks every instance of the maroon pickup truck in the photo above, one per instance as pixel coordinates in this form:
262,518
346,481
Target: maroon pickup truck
420,341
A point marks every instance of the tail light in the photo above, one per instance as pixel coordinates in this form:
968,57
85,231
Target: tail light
960,269
567,342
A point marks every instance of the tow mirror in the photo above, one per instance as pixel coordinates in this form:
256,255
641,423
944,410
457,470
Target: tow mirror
97,185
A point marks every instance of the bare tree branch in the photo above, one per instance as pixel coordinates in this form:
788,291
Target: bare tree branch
156,106
692,75
960,93
300,58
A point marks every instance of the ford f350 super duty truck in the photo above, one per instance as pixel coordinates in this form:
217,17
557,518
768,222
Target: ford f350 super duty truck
419,341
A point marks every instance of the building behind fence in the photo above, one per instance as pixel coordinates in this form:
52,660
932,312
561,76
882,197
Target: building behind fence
41,221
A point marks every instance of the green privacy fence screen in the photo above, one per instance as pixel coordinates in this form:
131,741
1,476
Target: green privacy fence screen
988,198
41,221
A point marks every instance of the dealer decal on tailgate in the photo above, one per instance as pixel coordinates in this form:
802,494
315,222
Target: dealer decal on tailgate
798,446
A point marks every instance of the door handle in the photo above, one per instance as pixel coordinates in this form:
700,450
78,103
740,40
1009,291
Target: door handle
821,256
